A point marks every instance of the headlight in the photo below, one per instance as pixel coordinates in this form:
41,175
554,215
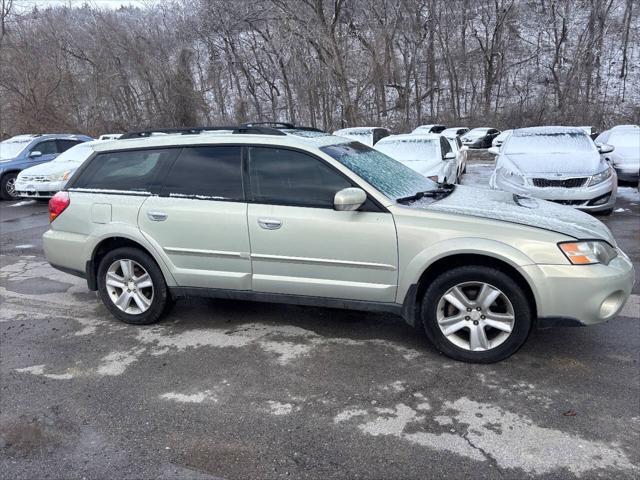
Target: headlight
511,177
600,177
588,252
58,177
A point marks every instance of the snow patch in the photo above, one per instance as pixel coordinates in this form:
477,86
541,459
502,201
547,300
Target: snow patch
198,397
39,370
24,202
117,362
279,408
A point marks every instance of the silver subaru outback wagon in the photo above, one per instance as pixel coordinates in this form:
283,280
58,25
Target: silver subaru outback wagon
298,216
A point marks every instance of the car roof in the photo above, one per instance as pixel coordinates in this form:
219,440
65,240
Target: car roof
625,127
546,130
290,139
409,137
356,130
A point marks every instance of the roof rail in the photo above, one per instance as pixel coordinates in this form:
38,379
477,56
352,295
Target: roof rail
242,129
282,126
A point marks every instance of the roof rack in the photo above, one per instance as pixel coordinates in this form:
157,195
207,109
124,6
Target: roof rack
282,126
242,129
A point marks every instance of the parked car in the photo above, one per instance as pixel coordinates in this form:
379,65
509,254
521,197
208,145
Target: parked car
431,128
460,151
454,132
499,140
625,157
110,136
24,151
430,155
326,221
44,180
479,137
561,164
366,135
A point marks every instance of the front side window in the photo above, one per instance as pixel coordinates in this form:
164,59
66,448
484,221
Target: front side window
135,171
288,177
387,175
213,173
47,147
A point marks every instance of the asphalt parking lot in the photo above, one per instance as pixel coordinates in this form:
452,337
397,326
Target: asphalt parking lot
224,389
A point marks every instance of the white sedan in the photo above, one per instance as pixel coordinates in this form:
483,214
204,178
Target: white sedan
430,155
560,164
46,179
626,156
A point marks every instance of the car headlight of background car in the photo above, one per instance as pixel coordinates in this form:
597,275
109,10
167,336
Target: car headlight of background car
59,177
511,177
588,252
600,177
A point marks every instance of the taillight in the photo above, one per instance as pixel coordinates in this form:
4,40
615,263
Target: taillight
57,204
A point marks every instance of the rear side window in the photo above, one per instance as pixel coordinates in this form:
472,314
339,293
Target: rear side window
138,171
64,145
287,177
446,146
206,172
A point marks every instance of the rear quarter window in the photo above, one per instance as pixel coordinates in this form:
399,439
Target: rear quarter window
135,171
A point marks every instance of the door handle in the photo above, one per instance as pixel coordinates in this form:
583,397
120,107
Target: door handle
269,223
156,216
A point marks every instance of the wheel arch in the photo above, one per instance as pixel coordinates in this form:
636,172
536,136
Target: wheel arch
111,243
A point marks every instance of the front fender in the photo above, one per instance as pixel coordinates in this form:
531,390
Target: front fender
411,273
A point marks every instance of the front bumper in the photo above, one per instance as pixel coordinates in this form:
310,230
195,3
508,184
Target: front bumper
589,199
580,294
38,189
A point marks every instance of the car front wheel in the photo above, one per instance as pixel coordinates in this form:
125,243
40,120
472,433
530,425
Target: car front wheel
8,187
132,287
476,314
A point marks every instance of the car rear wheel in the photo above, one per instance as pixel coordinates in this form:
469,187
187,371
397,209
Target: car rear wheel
8,187
132,287
476,314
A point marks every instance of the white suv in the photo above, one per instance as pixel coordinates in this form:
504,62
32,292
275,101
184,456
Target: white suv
299,216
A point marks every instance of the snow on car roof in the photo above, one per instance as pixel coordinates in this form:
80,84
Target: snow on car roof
409,137
547,130
356,131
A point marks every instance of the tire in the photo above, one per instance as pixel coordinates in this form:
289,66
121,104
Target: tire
6,190
141,304
496,343
606,212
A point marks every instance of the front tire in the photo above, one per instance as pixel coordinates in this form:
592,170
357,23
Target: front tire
8,187
132,287
476,314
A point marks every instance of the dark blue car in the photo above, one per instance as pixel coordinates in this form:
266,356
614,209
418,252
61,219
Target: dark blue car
24,151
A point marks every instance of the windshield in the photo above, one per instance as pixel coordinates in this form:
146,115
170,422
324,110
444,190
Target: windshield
77,154
626,139
408,150
11,148
390,177
561,142
476,133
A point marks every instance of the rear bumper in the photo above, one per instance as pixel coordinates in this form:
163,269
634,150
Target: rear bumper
65,250
568,295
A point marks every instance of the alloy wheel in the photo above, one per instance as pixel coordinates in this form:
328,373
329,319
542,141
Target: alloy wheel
10,187
129,286
475,316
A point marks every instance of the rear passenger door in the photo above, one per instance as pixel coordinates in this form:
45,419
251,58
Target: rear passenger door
199,220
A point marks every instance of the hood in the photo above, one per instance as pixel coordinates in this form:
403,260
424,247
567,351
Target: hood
548,164
50,168
507,207
425,168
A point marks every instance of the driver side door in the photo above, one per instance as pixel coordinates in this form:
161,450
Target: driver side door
300,245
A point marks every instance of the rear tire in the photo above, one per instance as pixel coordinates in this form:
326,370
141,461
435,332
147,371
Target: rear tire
477,331
7,186
132,286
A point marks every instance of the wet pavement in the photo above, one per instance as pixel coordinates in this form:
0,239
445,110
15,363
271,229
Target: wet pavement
225,389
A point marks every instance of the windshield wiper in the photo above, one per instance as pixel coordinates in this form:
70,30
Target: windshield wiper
443,190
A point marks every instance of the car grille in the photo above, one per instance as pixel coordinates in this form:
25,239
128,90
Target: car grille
34,178
564,183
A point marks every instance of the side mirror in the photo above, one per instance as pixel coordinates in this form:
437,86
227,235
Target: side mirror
494,150
449,156
605,148
35,154
349,199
